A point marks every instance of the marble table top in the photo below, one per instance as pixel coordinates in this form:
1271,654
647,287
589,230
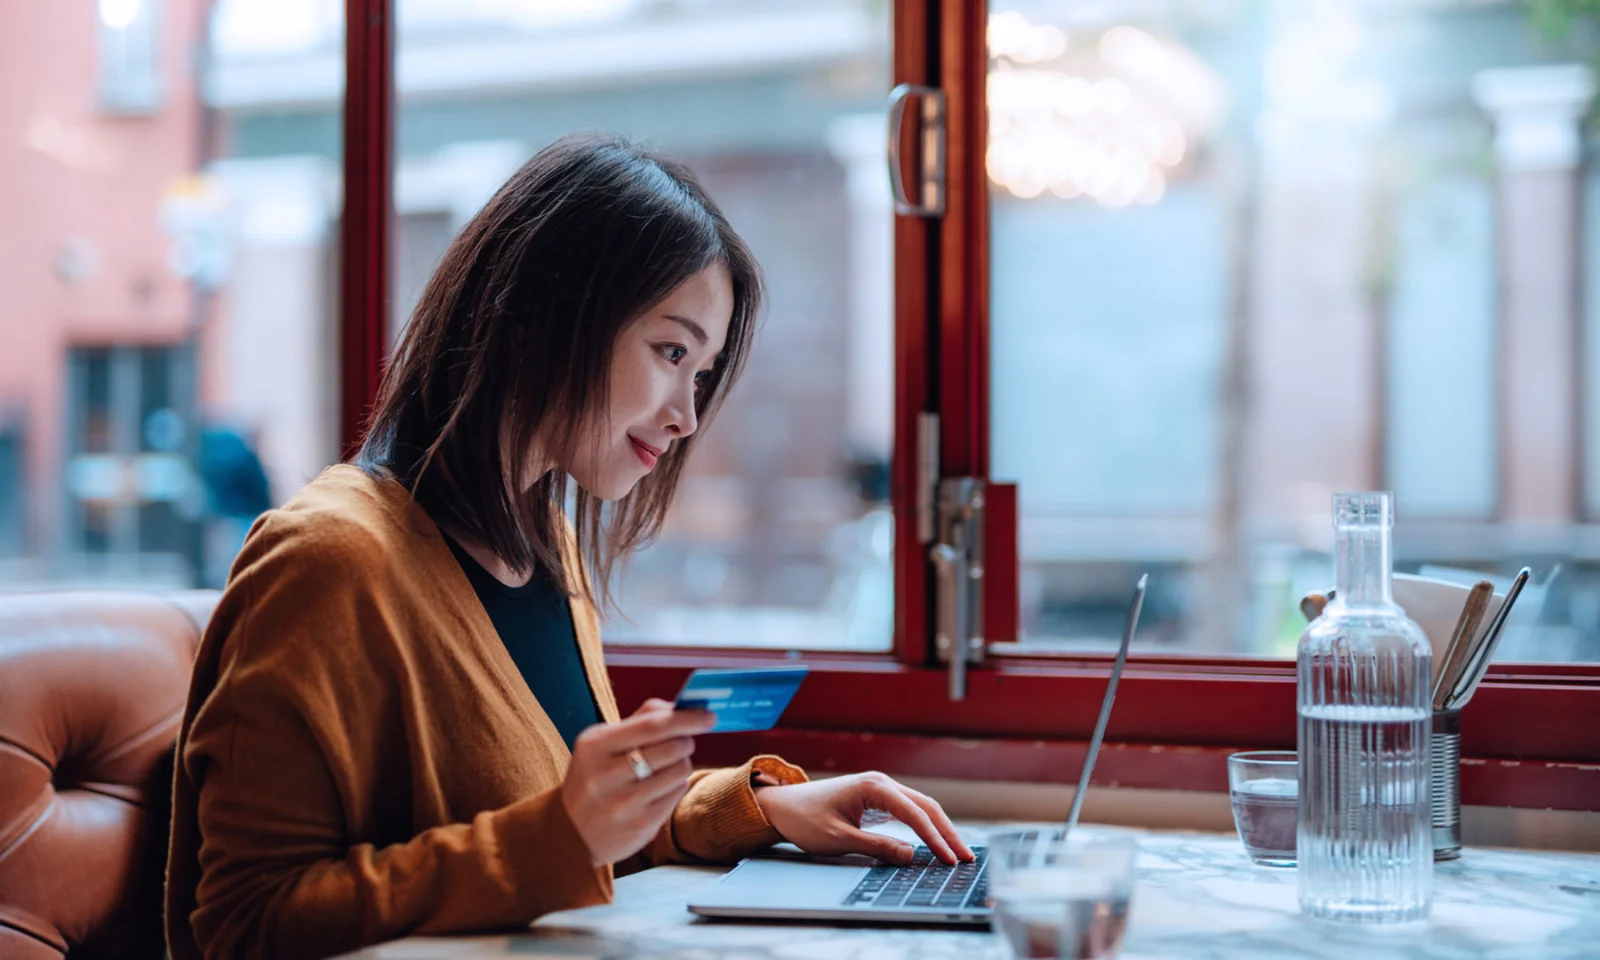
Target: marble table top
1197,896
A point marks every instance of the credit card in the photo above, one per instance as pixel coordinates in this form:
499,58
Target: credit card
741,699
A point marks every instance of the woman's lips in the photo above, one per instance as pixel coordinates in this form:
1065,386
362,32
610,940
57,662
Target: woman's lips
646,453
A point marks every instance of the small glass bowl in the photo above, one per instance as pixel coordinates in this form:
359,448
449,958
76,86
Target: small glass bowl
1264,786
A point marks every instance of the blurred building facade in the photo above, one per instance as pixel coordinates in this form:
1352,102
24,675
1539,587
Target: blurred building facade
98,382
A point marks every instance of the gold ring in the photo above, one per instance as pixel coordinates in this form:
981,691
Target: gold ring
641,766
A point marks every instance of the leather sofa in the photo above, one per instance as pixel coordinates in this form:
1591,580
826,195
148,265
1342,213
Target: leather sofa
92,689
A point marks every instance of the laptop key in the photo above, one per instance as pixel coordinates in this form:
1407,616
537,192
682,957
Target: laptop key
884,885
887,900
980,894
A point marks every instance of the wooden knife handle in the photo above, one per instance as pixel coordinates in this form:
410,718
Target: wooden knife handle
1459,653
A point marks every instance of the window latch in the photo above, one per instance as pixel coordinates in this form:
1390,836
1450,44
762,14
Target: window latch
950,520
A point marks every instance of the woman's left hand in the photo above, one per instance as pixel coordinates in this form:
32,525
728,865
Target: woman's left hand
824,817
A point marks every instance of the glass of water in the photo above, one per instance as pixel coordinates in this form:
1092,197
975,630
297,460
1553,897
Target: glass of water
1265,791
1061,898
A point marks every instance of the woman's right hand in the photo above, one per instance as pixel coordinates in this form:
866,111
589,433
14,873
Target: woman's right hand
614,811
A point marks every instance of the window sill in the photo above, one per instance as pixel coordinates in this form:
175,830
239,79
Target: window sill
1529,736
1484,782
1522,712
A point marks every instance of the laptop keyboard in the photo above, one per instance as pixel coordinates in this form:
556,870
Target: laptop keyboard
925,882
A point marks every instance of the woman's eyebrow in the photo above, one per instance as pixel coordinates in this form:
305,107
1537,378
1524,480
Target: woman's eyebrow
698,331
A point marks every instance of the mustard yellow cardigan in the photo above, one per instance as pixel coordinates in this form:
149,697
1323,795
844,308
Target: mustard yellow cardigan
360,759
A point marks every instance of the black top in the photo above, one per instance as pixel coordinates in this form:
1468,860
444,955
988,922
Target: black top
535,623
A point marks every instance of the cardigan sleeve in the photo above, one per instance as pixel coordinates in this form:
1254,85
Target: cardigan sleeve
274,754
718,820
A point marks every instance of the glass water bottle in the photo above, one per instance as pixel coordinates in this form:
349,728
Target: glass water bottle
1364,846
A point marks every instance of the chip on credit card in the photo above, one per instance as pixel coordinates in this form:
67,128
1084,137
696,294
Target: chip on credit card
741,699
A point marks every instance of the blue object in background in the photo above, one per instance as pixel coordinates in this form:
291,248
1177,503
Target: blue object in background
236,484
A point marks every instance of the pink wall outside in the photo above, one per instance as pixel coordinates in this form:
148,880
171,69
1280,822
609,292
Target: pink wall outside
71,171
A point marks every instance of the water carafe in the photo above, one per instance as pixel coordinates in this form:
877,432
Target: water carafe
1364,842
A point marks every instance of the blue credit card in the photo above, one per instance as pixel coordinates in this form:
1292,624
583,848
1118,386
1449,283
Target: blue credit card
741,699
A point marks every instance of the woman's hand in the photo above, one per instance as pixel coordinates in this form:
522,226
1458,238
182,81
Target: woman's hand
614,811
824,817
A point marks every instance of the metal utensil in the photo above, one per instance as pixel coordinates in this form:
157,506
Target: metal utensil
1460,647
1478,665
1105,704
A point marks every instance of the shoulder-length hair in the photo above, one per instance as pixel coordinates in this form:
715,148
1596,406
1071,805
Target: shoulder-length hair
511,343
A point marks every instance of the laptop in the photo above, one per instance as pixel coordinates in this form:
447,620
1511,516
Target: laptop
785,884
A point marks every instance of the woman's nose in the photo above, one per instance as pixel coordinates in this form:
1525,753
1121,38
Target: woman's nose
681,418
686,424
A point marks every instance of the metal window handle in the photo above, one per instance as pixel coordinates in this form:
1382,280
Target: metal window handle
950,565
950,521
930,185
957,556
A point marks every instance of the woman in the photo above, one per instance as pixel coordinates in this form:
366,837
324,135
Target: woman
400,721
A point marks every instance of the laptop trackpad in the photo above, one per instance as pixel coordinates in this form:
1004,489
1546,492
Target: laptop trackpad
785,883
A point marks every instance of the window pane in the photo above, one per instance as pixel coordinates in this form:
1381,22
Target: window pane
1245,255
129,55
168,363
1591,344
11,516
780,535
1440,441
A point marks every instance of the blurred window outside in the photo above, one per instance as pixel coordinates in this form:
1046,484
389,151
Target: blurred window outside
781,533
781,536
1249,254
130,55
1243,255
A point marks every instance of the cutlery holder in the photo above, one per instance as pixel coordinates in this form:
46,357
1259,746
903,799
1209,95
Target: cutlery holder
1444,783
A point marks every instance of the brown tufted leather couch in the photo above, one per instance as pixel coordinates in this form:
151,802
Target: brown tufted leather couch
92,688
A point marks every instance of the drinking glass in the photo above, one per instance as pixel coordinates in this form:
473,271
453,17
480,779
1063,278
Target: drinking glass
1265,788
1061,898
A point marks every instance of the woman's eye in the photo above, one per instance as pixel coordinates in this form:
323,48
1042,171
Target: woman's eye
674,353
702,378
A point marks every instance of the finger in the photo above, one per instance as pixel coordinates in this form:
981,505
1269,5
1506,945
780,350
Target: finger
644,729
658,810
882,846
628,788
941,820
652,705
673,779
619,773
668,752
651,801
890,796
662,725
604,733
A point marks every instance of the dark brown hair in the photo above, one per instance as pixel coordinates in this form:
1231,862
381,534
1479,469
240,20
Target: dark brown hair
512,338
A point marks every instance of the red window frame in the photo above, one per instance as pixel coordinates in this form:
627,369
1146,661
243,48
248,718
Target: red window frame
366,226
1531,736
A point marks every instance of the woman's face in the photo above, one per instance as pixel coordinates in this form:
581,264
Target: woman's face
657,361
